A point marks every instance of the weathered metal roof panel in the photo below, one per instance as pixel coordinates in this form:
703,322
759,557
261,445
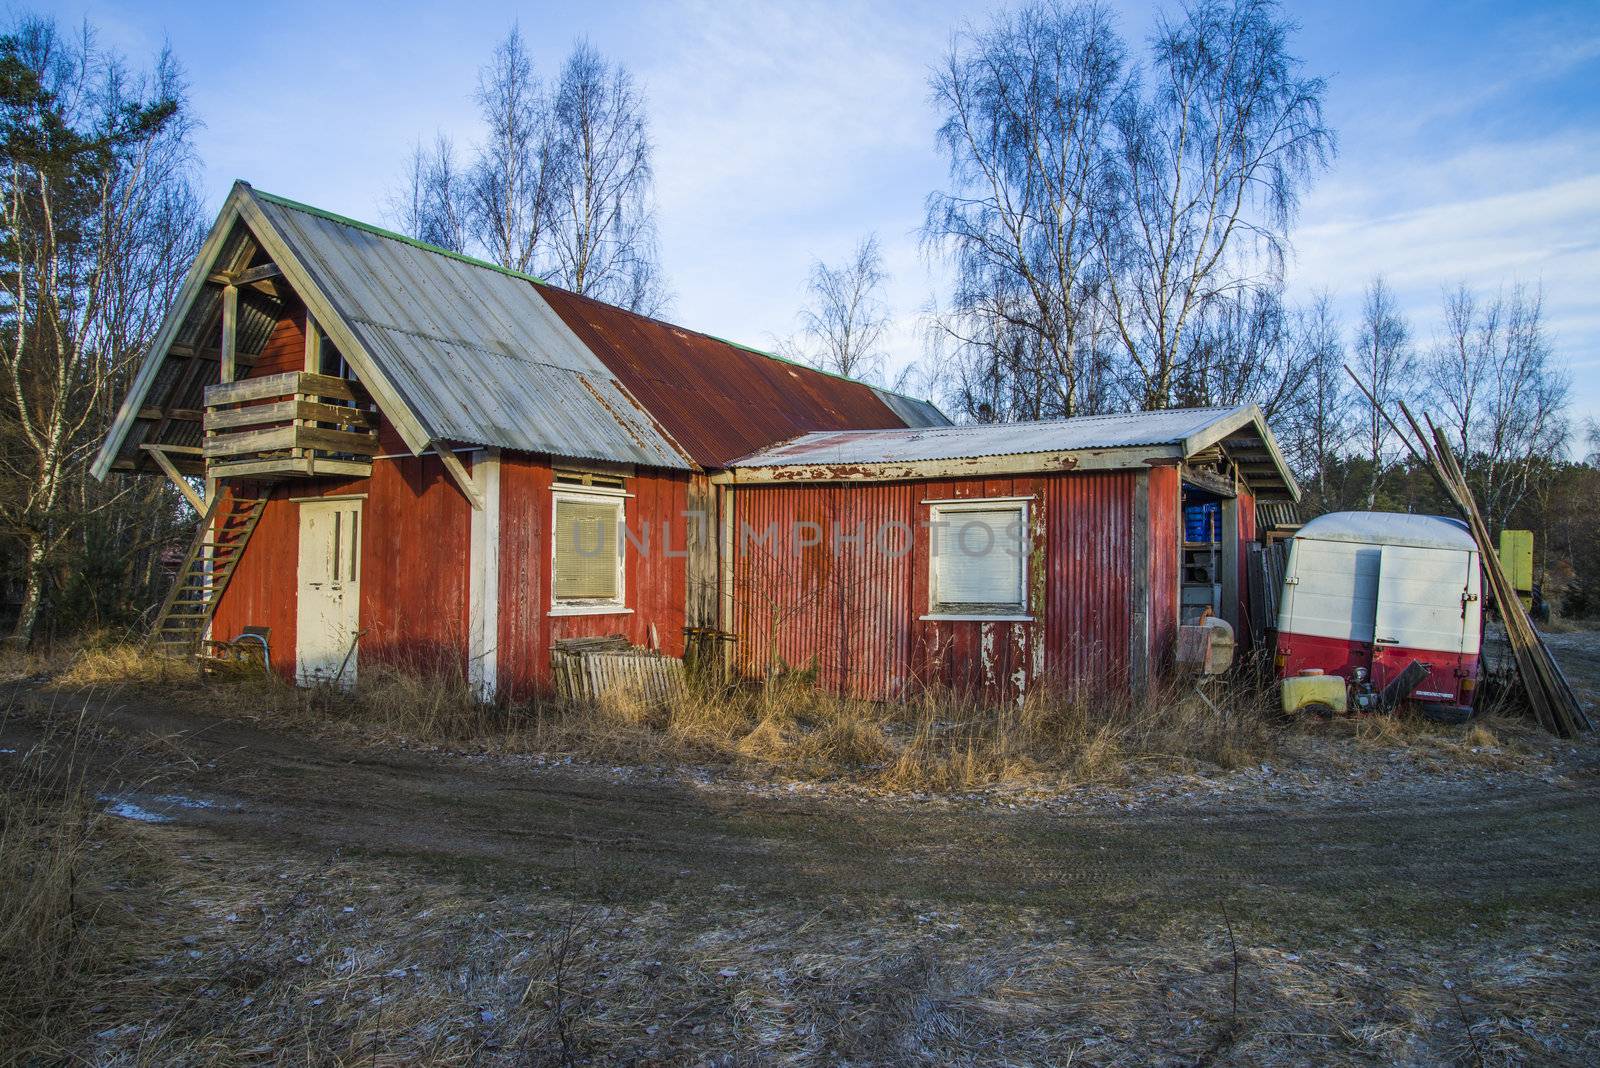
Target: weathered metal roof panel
912,412
1170,427
718,400
474,351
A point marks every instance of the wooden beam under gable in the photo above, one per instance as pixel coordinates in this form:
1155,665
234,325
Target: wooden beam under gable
321,308
193,283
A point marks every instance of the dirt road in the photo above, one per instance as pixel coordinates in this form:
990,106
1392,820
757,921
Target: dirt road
314,901
1437,859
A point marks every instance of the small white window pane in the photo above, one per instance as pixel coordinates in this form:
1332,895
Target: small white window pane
979,559
586,550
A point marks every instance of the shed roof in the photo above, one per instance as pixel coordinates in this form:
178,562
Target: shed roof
719,400
1173,426
1390,528
1125,439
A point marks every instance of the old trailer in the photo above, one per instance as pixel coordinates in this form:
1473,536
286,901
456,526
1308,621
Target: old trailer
1367,595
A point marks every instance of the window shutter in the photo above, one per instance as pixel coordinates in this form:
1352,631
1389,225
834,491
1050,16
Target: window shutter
586,550
980,559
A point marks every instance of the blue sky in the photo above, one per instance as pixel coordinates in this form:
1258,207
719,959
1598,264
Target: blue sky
1469,140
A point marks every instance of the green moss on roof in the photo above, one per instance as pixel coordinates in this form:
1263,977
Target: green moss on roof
378,231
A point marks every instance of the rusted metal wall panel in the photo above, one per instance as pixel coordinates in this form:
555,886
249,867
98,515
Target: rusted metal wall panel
839,606
1090,524
856,613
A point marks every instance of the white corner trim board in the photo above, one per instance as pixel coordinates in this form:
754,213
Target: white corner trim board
483,590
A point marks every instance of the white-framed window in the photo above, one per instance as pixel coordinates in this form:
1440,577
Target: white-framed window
587,576
978,559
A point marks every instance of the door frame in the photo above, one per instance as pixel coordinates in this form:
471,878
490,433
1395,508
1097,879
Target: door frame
357,501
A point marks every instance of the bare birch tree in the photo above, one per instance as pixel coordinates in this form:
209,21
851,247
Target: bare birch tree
603,231
1026,104
560,185
98,218
1388,368
1319,430
845,319
433,202
1491,373
1211,163
511,181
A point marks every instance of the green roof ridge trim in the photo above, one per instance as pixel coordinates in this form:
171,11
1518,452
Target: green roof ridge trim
379,231
331,216
813,367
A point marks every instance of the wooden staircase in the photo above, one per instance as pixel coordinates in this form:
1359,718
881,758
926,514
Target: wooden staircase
225,529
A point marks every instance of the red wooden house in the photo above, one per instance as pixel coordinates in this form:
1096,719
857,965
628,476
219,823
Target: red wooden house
417,458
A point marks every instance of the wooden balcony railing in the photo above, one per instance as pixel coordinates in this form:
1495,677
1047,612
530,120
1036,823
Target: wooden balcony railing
294,425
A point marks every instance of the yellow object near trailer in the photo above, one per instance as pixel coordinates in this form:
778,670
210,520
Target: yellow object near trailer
1312,691
1516,556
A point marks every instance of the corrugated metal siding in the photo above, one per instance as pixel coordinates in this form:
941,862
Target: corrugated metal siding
1090,527
846,613
475,353
1166,526
717,401
855,614
655,581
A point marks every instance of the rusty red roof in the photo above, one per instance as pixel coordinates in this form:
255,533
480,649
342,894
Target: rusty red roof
718,400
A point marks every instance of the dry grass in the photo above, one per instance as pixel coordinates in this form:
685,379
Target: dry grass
936,742
59,862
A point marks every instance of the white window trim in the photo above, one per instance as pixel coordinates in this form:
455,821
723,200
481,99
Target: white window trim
618,605
1020,505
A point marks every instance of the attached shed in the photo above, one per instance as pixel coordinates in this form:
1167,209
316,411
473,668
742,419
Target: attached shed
994,557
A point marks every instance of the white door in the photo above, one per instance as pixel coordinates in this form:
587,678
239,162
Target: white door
1427,611
328,615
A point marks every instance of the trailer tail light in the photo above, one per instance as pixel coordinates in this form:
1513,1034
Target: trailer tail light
1469,686
1280,660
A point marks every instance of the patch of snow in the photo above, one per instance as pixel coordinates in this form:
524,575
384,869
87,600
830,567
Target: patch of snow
129,811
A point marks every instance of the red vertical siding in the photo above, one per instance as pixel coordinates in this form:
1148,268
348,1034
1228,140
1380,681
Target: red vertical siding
262,590
840,606
654,572
285,348
416,528
855,613
414,532
524,569
1166,533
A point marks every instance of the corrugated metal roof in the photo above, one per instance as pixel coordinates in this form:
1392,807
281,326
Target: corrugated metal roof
473,350
719,400
1169,427
912,412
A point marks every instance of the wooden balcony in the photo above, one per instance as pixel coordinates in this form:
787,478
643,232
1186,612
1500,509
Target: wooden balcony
294,425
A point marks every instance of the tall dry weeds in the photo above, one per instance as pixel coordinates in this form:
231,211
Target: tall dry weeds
56,853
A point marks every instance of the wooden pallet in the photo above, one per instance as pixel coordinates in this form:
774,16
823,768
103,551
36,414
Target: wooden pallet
203,577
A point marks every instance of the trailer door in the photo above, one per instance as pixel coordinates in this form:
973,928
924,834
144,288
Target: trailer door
1427,611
